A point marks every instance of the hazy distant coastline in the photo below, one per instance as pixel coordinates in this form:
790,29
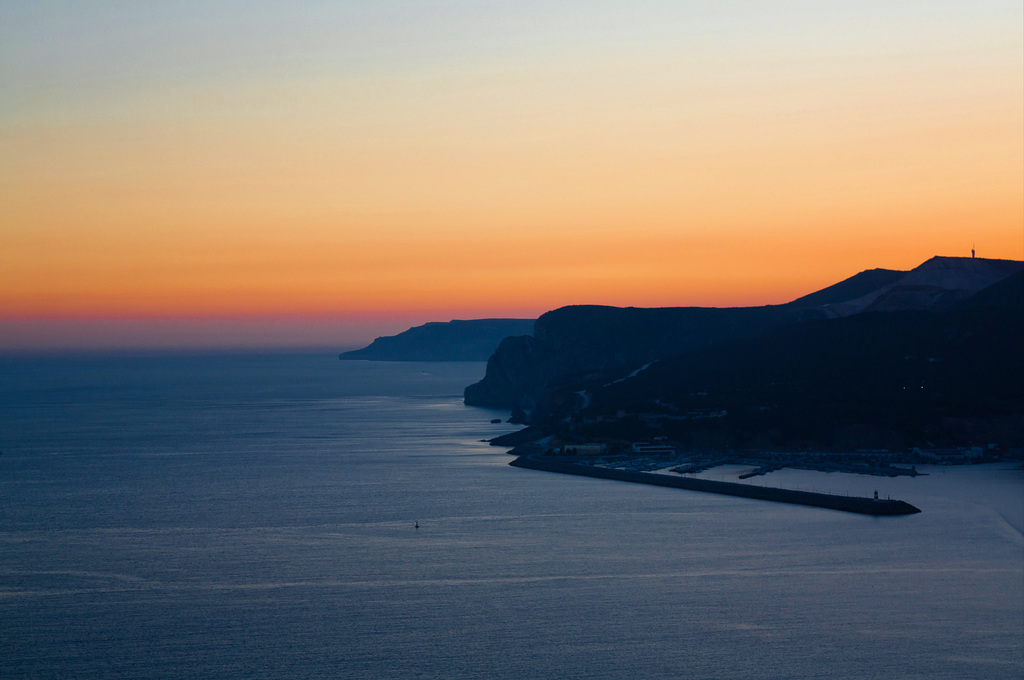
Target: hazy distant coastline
459,340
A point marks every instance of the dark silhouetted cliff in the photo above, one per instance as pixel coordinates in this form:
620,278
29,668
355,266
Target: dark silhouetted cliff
578,348
571,342
872,380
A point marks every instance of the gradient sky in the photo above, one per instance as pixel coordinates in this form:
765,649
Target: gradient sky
318,173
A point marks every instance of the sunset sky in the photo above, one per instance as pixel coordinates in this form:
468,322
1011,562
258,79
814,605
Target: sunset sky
256,173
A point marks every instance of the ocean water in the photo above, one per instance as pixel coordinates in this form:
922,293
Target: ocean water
253,517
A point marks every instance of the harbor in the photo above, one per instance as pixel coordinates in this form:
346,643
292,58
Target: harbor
855,504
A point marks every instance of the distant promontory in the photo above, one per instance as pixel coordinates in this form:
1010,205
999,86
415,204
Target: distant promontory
471,340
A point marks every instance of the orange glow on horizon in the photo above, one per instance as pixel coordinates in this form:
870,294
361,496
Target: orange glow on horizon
748,171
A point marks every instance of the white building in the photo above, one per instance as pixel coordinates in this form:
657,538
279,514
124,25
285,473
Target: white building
645,449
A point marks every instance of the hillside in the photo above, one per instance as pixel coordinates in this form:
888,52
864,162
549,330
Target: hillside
854,287
524,372
788,375
873,380
573,341
935,285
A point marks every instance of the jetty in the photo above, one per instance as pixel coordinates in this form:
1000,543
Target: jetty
864,506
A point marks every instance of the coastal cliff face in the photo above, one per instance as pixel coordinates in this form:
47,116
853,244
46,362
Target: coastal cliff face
571,342
515,371
531,374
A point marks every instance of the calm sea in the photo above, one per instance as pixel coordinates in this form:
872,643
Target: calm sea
253,517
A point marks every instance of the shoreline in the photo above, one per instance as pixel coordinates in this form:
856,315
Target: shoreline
855,504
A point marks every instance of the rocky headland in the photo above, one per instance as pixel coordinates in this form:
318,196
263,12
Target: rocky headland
885,359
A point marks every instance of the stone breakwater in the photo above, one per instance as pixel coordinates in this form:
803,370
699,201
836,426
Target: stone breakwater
864,506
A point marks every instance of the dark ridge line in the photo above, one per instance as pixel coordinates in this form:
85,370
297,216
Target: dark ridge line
864,506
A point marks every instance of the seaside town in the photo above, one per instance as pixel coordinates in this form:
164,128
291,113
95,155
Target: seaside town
661,455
